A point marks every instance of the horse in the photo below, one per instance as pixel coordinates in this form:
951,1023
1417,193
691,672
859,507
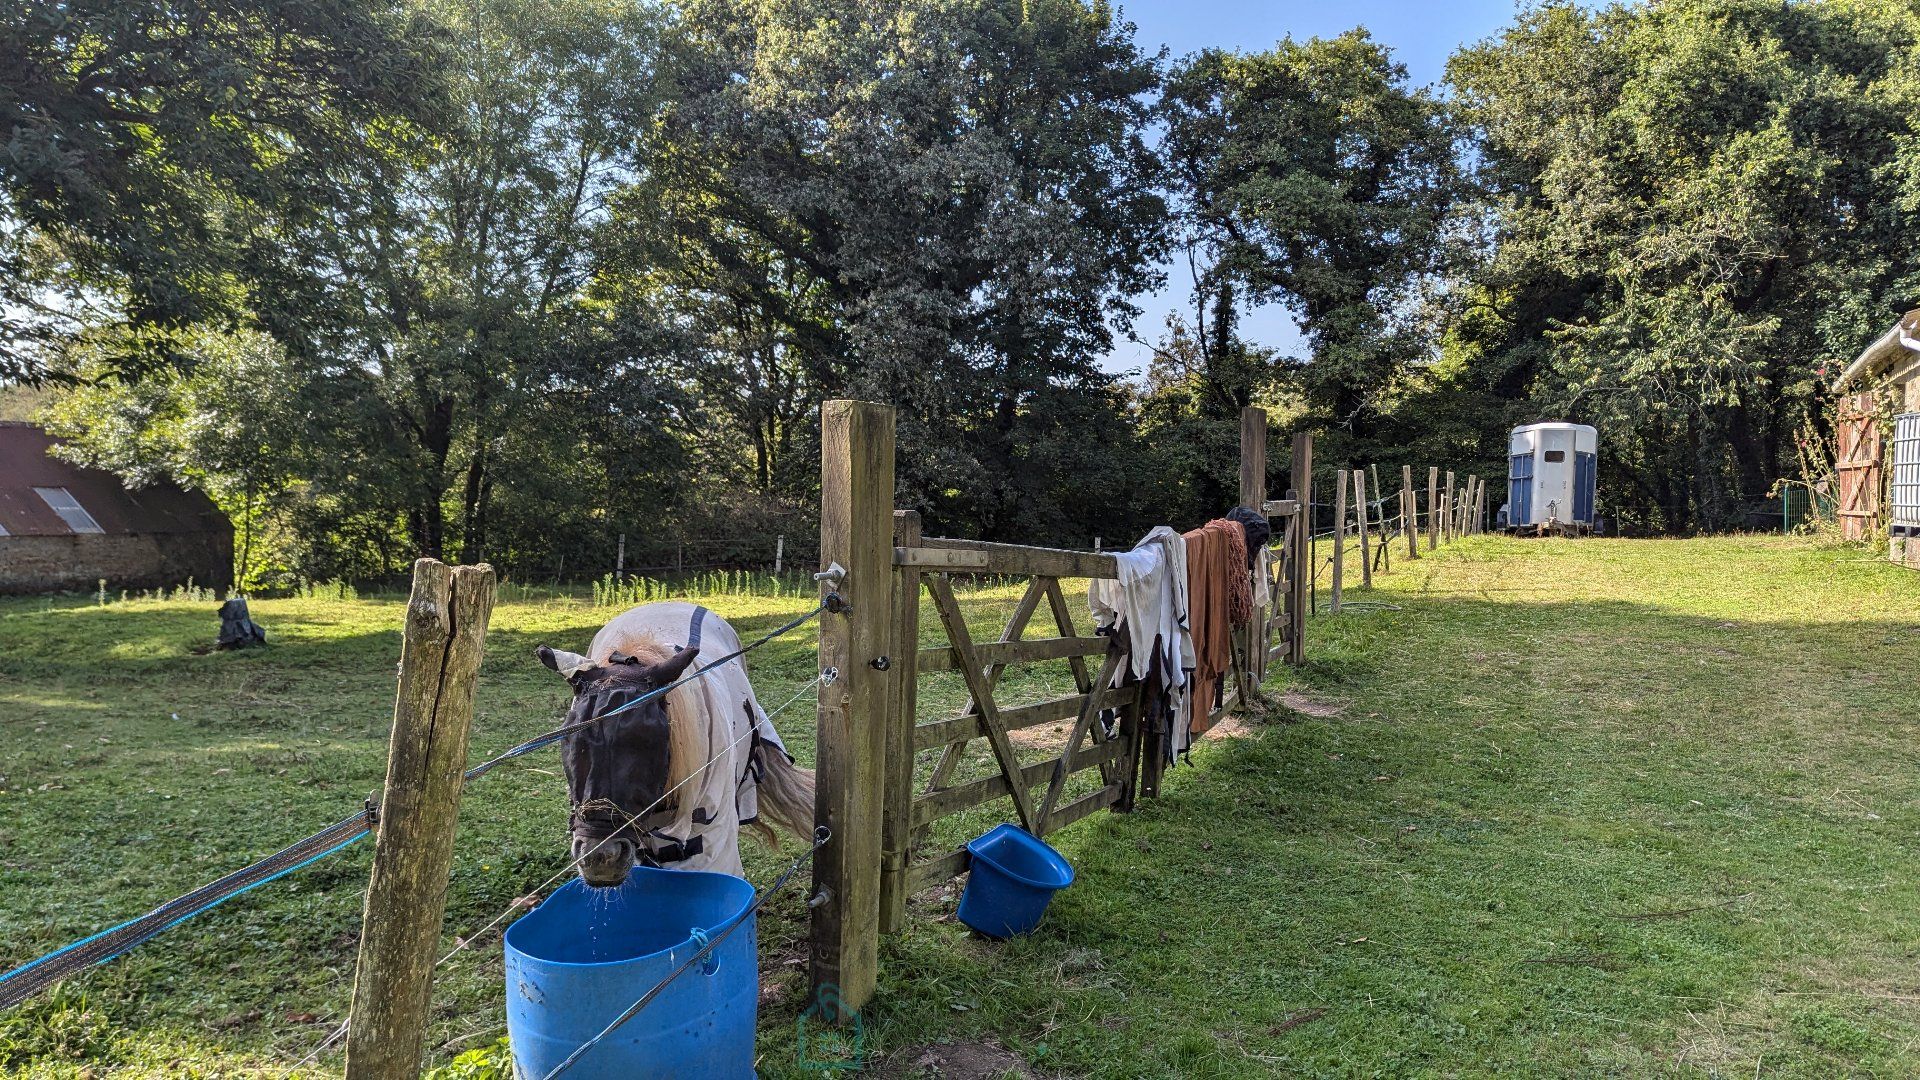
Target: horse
671,781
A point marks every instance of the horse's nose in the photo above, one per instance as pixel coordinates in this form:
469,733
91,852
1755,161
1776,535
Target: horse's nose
603,863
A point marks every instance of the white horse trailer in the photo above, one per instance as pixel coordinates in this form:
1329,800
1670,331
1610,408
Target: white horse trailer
1551,473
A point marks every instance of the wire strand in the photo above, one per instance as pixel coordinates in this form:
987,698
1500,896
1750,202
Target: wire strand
463,943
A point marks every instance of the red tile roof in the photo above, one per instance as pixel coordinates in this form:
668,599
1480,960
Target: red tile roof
25,465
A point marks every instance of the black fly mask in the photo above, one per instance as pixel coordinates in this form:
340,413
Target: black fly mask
619,765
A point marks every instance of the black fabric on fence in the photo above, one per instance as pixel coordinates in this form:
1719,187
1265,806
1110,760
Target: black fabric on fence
1258,529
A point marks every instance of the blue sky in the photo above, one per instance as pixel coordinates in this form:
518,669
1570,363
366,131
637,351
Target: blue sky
1421,33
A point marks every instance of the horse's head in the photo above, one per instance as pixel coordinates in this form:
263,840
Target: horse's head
620,766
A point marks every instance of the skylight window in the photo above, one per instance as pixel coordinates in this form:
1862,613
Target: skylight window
62,502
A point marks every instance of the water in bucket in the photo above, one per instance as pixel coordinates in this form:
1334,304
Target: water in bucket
582,957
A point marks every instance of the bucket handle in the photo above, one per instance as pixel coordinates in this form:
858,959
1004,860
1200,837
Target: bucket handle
712,963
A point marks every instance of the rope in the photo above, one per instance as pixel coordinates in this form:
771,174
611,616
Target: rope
565,730
29,979
35,976
820,836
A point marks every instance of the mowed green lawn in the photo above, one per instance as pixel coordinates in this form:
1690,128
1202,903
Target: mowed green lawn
1599,807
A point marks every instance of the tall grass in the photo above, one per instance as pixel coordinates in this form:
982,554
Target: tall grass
613,590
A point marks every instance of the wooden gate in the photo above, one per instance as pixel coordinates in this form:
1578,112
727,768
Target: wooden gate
1858,455
889,776
919,794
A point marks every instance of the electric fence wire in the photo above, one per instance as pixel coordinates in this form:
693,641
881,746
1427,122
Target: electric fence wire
31,978
461,943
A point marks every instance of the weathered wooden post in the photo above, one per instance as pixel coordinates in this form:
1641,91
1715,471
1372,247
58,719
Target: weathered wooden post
440,652
1381,552
1410,511
1339,535
1360,506
1453,503
1300,581
856,535
779,552
1433,507
1253,494
1474,488
896,833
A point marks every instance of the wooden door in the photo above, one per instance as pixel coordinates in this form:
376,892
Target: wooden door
1857,463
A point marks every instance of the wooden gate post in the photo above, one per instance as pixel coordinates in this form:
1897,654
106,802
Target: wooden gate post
1300,582
1446,520
1410,507
440,651
856,533
1253,494
896,831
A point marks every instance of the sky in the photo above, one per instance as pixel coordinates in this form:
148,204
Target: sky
1421,33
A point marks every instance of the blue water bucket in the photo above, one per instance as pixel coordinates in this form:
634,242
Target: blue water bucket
1013,878
581,958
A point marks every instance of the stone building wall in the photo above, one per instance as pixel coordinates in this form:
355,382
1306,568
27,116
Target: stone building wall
31,564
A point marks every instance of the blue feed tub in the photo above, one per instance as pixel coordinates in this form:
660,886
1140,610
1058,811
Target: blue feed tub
582,957
1013,878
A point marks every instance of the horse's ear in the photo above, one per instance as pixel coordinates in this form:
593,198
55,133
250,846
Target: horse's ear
566,663
671,668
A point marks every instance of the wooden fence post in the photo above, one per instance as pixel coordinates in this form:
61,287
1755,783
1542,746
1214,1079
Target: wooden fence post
1381,547
1360,507
1339,535
1301,582
1452,504
850,773
1410,507
1253,494
1474,487
1433,507
445,632
896,834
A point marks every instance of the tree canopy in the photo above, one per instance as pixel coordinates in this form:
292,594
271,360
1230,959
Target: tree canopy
507,279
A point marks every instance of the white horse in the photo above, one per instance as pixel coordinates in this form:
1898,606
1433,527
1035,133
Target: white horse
670,781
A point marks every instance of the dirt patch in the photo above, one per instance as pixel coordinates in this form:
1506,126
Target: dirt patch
1050,737
1309,705
1232,726
957,1061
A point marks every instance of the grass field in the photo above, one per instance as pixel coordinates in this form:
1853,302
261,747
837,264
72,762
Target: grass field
1605,807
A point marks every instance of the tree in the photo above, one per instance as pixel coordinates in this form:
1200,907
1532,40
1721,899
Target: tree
218,424
443,383
1703,210
939,204
447,329
143,140
1313,176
